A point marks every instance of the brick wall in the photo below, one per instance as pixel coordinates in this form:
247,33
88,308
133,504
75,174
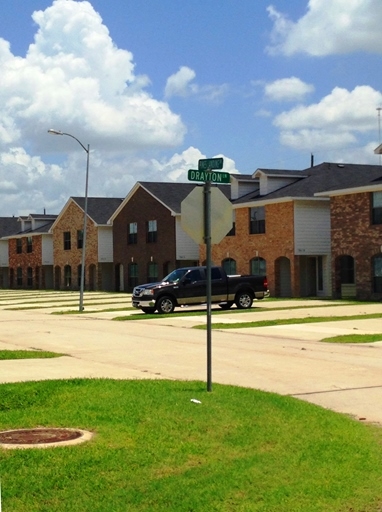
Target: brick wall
72,220
26,260
354,235
276,242
141,208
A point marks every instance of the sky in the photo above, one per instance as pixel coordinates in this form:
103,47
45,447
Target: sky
153,86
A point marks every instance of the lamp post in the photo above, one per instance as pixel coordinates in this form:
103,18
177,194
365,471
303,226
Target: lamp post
87,150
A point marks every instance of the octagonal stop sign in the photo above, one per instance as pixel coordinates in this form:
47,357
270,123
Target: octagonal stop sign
192,215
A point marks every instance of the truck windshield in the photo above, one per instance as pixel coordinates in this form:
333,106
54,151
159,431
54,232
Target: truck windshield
175,276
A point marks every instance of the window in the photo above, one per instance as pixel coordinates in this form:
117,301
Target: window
377,274
152,231
232,231
229,266
258,267
67,242
377,208
29,244
347,269
257,220
19,276
80,239
30,276
68,276
152,272
132,237
133,274
19,245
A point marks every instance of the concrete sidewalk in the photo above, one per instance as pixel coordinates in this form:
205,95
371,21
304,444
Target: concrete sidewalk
288,360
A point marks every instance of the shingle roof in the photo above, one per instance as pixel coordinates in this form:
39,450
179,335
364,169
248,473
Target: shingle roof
9,226
100,209
172,194
324,177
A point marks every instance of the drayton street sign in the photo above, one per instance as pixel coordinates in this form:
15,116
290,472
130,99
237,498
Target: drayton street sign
212,176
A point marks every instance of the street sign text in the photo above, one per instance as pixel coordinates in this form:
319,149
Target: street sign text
214,177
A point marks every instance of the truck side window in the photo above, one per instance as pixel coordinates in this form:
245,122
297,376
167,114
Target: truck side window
194,275
215,273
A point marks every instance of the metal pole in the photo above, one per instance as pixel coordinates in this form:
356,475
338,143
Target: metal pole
207,241
83,258
82,278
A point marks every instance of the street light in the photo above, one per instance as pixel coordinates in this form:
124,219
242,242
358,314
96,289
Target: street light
82,282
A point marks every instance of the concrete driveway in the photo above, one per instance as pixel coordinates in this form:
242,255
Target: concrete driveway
289,360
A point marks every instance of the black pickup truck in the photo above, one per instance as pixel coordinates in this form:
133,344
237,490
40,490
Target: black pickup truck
186,286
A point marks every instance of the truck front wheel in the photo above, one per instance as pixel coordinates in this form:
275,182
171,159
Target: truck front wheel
244,300
165,305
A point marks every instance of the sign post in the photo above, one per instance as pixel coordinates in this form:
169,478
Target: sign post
206,172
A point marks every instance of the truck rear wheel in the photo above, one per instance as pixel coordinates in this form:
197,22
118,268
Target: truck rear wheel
244,300
165,304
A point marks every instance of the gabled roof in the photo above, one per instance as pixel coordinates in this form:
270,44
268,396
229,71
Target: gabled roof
320,180
99,209
8,226
170,194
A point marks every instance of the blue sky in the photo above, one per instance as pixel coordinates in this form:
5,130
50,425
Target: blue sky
154,86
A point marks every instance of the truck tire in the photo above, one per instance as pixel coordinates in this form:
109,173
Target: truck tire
244,300
165,304
226,305
148,310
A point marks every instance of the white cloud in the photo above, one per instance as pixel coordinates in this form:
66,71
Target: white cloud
287,89
336,121
182,84
329,27
74,78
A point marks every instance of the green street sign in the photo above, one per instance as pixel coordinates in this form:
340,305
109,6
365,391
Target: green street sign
208,164
212,176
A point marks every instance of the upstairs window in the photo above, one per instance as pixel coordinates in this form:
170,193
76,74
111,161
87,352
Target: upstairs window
29,244
152,231
67,241
377,208
19,245
132,236
80,238
257,220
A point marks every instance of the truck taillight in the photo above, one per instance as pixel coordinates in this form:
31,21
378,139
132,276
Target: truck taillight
265,283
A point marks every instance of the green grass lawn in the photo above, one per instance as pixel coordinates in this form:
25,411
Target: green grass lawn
155,450
27,354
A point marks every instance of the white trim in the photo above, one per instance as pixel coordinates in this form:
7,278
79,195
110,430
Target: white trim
265,202
348,191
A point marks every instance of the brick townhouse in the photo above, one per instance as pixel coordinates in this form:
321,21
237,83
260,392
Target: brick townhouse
67,232
284,222
149,241
30,251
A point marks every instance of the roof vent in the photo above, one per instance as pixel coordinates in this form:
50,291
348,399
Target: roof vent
340,165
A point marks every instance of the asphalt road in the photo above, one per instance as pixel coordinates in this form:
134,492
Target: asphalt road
289,360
